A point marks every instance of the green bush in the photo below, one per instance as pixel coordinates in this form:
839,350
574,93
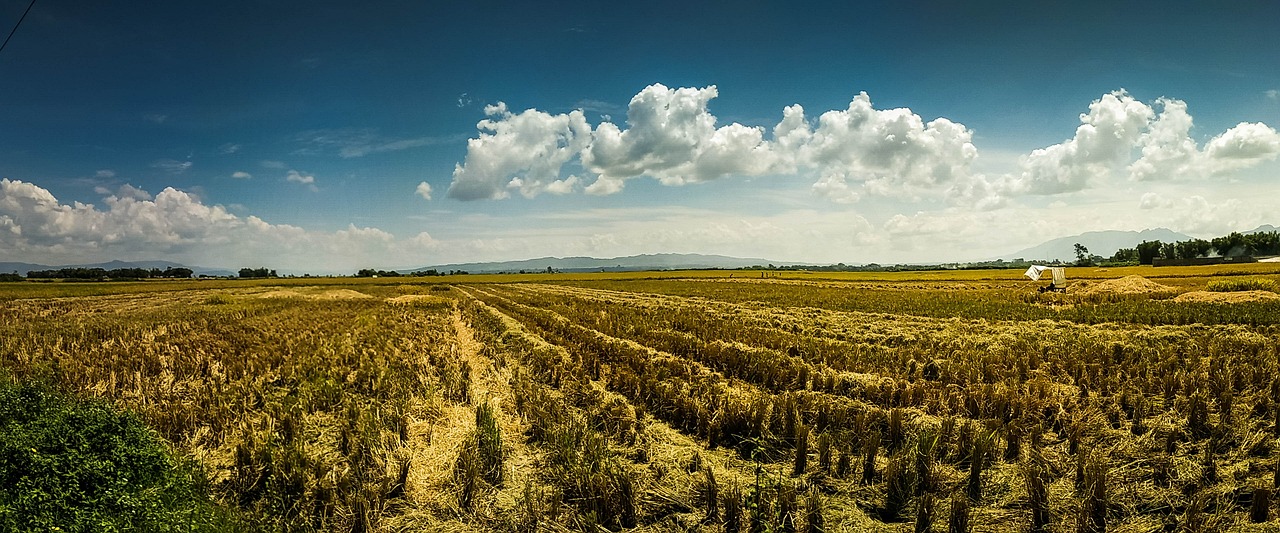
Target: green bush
67,465
1246,284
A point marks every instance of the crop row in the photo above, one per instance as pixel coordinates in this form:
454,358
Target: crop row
720,373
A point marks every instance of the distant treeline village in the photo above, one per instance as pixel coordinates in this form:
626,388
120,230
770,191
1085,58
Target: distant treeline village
1232,246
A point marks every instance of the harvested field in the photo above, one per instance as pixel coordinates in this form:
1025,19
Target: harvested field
1227,297
679,405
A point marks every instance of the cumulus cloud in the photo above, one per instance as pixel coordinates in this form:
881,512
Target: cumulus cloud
1103,141
564,186
1167,147
299,177
670,135
423,190
1152,200
1242,146
1169,152
522,151
849,155
241,175
132,224
891,152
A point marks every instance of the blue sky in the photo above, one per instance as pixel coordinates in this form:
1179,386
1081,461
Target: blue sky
326,137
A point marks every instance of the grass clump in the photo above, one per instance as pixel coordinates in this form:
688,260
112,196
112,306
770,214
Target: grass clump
1241,284
82,466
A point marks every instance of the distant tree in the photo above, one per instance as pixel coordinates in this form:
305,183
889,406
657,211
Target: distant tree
180,272
262,272
1193,248
1147,251
1169,250
1082,255
1228,245
1263,243
1125,255
15,276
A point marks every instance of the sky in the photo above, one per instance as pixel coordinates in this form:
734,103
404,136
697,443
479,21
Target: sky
326,137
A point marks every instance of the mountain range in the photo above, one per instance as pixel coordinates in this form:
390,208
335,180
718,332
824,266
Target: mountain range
1103,243
614,264
22,268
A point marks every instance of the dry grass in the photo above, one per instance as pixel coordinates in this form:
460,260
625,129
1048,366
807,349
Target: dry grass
1128,285
612,402
1227,297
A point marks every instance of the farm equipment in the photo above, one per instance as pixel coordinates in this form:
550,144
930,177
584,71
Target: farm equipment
1059,282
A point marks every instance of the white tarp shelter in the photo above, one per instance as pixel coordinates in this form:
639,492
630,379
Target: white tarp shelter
1059,274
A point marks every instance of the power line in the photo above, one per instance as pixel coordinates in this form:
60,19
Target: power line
15,26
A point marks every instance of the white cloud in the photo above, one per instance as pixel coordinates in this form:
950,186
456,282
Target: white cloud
1242,146
1152,200
175,225
241,175
172,166
564,186
1106,136
129,191
1167,148
604,186
890,152
105,174
423,190
299,177
1169,153
1196,215
835,186
671,136
523,150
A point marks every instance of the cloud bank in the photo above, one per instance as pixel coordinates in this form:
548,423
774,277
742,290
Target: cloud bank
671,136
132,224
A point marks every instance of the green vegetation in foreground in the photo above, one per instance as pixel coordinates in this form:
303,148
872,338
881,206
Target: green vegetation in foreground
68,465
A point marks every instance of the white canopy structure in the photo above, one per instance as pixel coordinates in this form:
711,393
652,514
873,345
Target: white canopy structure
1059,274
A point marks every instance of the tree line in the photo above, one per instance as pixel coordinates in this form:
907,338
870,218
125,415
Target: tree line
81,273
1234,244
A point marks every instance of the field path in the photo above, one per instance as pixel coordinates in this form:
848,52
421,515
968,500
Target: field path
438,442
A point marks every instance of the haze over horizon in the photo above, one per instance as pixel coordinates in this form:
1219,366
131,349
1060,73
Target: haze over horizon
330,137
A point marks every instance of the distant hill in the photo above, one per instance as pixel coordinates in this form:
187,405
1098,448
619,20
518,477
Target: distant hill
615,264
1265,228
23,268
1103,243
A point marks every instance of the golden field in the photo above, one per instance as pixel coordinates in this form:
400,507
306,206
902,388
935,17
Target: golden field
679,401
